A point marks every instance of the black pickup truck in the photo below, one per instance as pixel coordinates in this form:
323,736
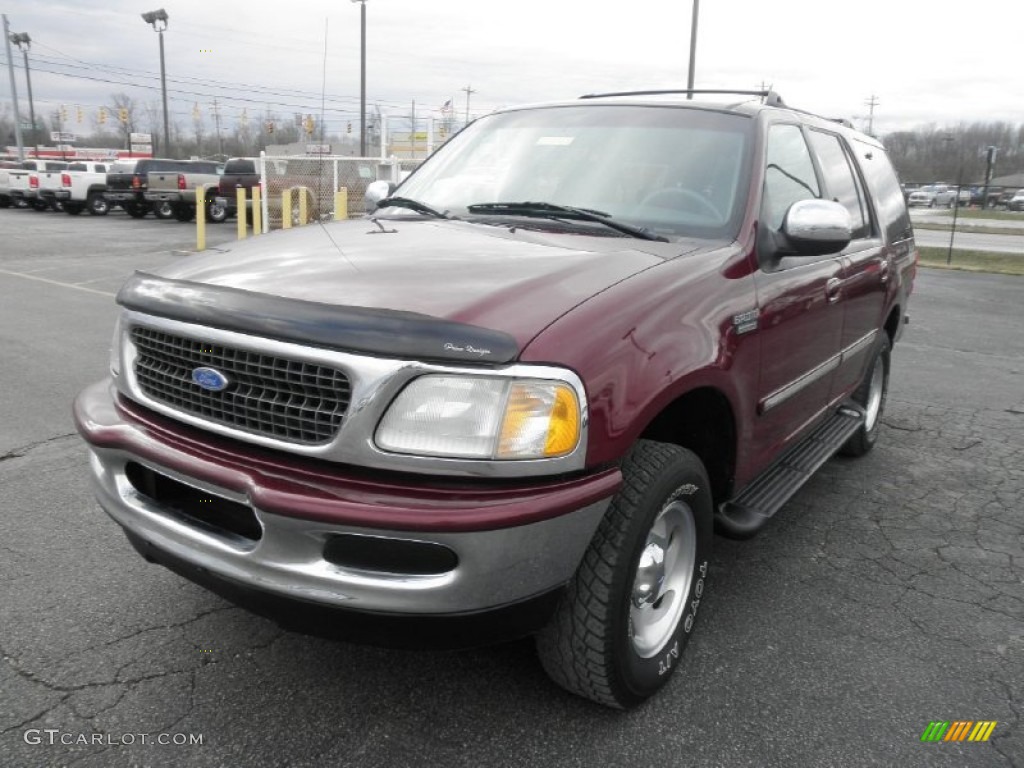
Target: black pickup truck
127,184
239,173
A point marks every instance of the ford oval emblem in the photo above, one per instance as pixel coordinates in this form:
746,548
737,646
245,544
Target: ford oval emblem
210,379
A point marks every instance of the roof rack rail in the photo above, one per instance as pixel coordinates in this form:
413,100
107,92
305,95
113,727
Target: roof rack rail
770,98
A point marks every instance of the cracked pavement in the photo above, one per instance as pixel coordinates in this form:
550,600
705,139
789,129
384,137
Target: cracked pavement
888,593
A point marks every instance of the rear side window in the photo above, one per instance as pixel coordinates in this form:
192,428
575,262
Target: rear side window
884,187
77,167
101,169
240,166
56,166
841,180
789,173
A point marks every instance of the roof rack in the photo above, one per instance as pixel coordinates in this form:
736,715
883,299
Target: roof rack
770,98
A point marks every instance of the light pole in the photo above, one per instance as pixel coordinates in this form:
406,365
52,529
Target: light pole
693,48
24,42
159,21
362,77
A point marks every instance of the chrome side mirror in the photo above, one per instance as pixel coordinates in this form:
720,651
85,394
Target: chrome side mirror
377,191
817,227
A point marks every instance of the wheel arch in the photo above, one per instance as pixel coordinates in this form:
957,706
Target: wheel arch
702,421
892,323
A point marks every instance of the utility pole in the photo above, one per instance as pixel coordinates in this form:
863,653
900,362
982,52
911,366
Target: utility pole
872,102
412,131
693,48
24,42
14,90
469,92
216,121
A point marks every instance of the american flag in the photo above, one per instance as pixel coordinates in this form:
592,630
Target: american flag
446,108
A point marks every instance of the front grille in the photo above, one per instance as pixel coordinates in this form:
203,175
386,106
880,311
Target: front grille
266,395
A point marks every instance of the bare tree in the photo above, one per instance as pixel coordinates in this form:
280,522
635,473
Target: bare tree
124,115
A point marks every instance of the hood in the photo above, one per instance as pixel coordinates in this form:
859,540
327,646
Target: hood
516,282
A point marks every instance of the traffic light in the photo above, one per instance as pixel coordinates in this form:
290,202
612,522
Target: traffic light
63,113
310,125
348,128
102,117
122,115
79,115
270,127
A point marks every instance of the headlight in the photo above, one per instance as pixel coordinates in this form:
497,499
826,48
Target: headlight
475,417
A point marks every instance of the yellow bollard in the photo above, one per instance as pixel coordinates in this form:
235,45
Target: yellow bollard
303,209
257,210
201,217
341,204
240,215
286,209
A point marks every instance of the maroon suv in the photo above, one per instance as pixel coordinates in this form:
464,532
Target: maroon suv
521,397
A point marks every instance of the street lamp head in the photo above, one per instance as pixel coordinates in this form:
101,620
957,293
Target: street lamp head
152,17
21,38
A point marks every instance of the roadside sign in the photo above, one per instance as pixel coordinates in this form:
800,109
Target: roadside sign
58,137
142,148
141,138
318,149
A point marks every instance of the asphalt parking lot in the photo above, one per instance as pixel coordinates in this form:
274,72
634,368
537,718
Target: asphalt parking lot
887,594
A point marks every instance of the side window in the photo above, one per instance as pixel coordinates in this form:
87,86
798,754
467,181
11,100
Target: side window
789,173
101,169
885,189
841,180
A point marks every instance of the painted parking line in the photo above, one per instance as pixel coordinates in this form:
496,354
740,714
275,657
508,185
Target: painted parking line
55,282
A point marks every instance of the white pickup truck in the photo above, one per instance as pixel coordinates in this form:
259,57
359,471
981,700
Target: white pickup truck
6,167
26,182
82,188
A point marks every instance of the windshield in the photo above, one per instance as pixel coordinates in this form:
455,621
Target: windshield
674,171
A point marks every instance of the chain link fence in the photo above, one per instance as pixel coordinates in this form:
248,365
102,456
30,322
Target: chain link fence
322,176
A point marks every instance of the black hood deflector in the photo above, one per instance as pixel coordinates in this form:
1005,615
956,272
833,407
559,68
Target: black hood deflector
381,332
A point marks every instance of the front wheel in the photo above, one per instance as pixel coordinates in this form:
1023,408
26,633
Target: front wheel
216,212
136,210
163,209
871,395
623,623
97,205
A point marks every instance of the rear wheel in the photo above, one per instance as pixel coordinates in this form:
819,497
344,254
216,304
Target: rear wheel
40,205
624,621
136,210
163,210
871,395
184,212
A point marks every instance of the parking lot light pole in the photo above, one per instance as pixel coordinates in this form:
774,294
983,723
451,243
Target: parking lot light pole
24,42
362,77
159,21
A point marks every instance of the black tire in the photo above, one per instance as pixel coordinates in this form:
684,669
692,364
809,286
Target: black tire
74,208
97,205
40,205
184,212
590,646
136,210
163,209
216,213
5,201
863,440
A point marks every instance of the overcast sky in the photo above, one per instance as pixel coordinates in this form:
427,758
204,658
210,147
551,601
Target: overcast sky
937,61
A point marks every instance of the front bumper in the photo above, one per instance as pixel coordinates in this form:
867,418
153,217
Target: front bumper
513,542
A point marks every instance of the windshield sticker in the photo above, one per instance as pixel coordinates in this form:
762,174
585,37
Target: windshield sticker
555,141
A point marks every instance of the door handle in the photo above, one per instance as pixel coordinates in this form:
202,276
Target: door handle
883,276
832,289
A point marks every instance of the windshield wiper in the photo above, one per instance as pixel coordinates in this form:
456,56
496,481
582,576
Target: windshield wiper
555,211
412,205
